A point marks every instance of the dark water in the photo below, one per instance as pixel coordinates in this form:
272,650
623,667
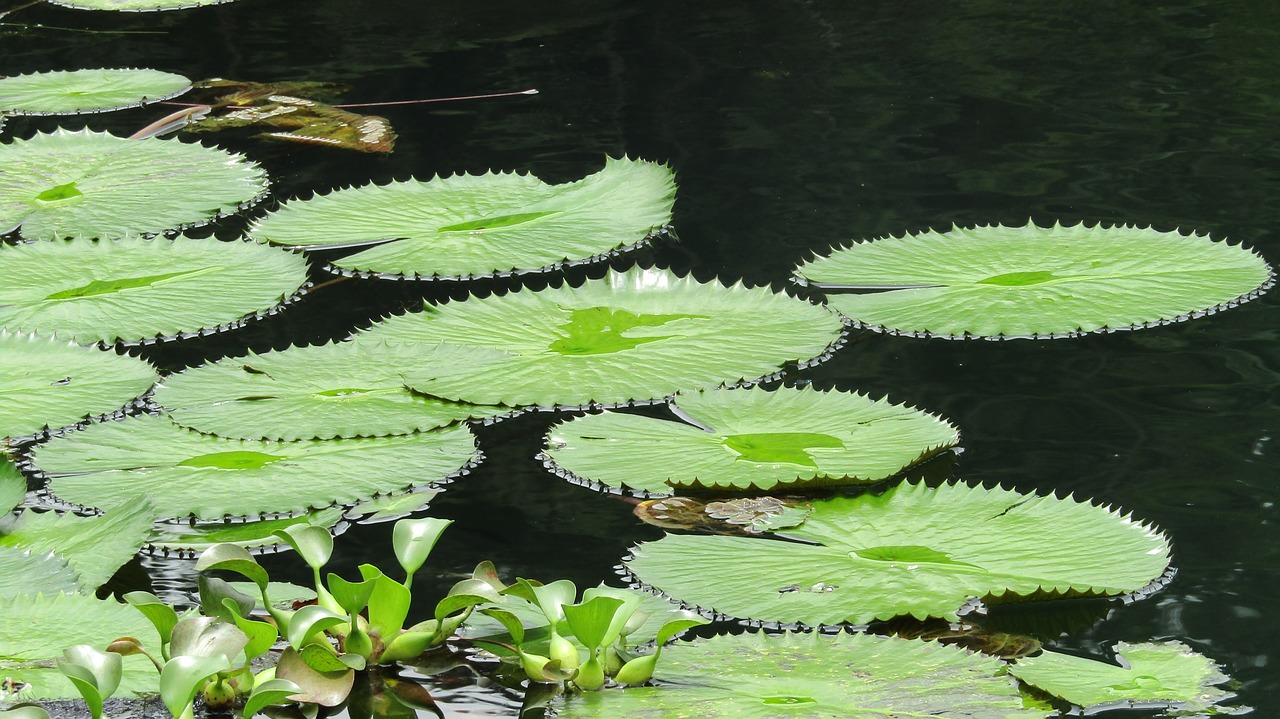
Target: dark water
796,125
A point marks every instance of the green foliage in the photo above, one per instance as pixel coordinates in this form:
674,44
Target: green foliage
74,91
135,5
95,547
95,674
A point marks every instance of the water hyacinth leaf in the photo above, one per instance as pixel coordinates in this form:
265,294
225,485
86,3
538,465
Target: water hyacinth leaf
24,711
321,392
311,541
162,616
50,383
1035,281
324,688
1153,674
187,538
186,473
84,184
138,289
35,629
635,335
750,439
468,225
198,636
183,676
134,5
95,547
60,92
13,486
413,540
95,673
912,551
283,594
24,571
269,693
760,676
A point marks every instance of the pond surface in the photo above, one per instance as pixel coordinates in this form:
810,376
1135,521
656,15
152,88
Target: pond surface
794,126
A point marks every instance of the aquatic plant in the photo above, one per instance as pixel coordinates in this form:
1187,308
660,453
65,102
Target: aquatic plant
58,92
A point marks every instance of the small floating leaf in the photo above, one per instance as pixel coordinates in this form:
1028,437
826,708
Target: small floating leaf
99,185
59,92
107,462
1166,674
909,551
1035,281
468,225
511,349
859,676
750,439
137,289
51,383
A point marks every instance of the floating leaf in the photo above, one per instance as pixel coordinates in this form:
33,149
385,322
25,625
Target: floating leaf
60,92
186,538
87,184
135,5
468,225
35,629
750,439
338,390
1163,674
1036,281
210,477
95,547
24,571
138,290
637,335
743,516
49,383
909,551
761,676
13,487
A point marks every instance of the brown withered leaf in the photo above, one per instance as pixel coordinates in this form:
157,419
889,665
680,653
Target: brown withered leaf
744,516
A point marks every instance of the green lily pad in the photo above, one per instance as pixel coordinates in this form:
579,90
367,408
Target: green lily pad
859,676
339,390
86,184
49,383
95,547
34,629
393,506
1151,674
632,336
909,551
186,539
750,439
209,477
141,290
60,92
27,571
468,226
13,486
135,5
1035,281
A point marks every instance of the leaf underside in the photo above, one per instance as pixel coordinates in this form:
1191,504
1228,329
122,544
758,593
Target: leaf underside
186,538
909,551
76,91
1036,281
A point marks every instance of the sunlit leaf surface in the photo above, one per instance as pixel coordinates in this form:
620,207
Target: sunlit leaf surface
95,547
134,5
29,571
187,538
73,91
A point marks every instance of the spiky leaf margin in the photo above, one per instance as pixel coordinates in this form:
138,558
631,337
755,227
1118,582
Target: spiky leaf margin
139,291
754,439
1031,281
186,473
135,5
95,547
912,551
85,184
469,226
61,92
854,676
27,571
49,383
633,336
319,392
13,487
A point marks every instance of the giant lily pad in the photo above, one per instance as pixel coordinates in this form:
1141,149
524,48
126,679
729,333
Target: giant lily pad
750,439
139,290
1163,674
34,629
1035,281
209,477
49,383
95,547
28,571
187,539
909,551
854,676
638,335
74,91
92,184
468,225
134,5
13,487
340,390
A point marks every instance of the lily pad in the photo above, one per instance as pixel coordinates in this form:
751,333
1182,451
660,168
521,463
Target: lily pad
34,629
13,487
338,390
859,676
95,547
27,571
141,290
83,184
738,439
633,336
912,551
60,92
1150,675
1035,281
209,477
467,225
49,383
188,539
135,5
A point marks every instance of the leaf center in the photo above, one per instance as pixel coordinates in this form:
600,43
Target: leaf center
231,460
1020,279
59,194
780,447
788,700
489,223
104,287
599,330
909,554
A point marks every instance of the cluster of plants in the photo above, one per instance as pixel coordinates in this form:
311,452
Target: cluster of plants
803,492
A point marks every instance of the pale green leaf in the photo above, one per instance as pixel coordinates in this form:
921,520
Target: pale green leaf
13,486
58,92
188,538
134,5
26,571
95,547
